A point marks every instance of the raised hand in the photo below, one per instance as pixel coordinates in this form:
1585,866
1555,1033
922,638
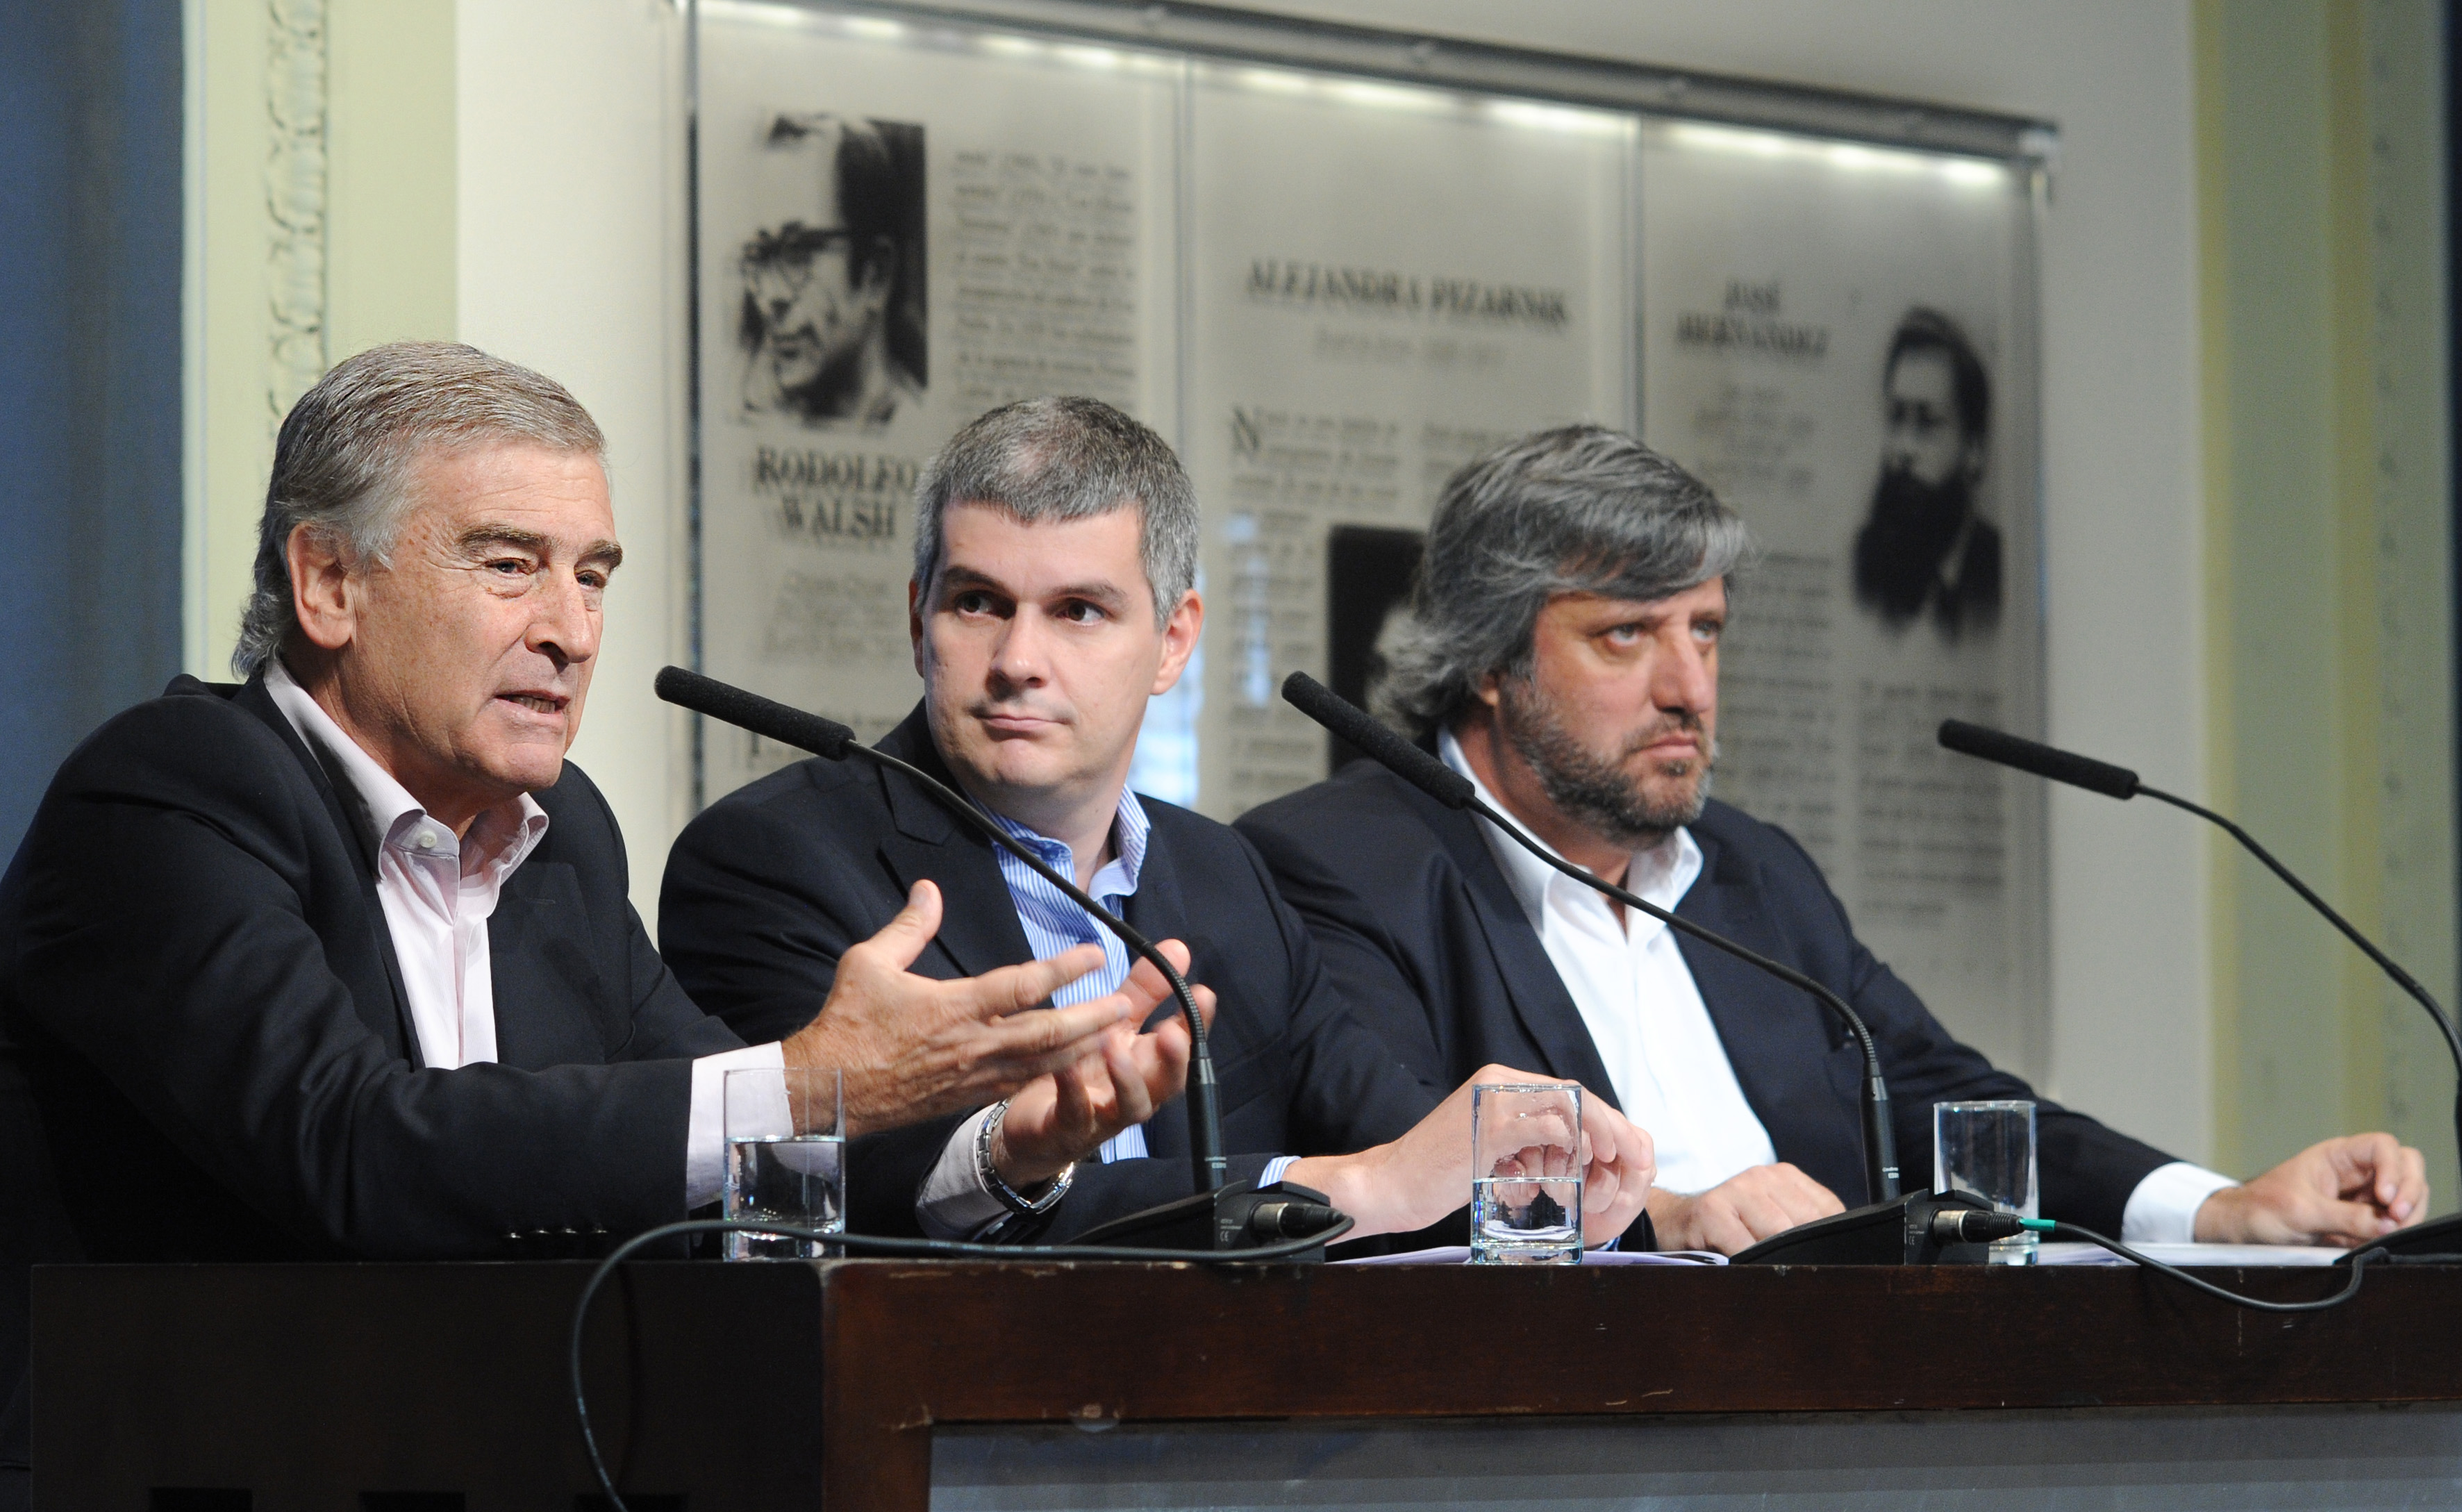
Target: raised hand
1066,1115
913,1048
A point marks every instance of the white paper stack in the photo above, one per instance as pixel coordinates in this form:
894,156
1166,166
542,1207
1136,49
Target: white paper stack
1460,1255
2068,1254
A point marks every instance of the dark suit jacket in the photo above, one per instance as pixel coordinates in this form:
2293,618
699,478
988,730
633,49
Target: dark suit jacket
1426,941
205,1052
771,884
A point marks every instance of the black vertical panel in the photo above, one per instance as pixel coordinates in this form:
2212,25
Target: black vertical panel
1369,572
90,374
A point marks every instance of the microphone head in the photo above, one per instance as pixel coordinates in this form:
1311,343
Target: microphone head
1388,750
751,711
2044,761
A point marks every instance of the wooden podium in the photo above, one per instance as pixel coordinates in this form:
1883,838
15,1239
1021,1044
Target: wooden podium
419,1388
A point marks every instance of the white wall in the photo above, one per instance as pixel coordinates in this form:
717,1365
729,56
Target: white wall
571,260
572,235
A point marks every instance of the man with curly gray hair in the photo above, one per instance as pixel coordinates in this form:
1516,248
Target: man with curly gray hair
1565,657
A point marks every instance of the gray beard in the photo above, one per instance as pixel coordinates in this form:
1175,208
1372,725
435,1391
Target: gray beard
1590,790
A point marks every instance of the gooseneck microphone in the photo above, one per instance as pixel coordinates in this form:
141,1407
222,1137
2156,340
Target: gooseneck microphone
2059,766
1454,791
2119,782
834,742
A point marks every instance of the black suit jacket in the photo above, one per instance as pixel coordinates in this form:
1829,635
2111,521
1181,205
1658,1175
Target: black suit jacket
770,885
1425,939
205,1050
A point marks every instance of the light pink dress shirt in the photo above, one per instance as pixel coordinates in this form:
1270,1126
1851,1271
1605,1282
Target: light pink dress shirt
438,893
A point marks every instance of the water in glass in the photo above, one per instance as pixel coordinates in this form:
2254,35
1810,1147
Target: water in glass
1525,1221
798,1180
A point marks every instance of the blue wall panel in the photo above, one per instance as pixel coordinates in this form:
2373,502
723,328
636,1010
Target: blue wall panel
90,424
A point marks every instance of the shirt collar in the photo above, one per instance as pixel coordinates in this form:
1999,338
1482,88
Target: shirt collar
387,813
1661,874
1118,878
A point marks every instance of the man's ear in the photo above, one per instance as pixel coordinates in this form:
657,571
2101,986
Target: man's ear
915,623
1178,641
321,588
1490,691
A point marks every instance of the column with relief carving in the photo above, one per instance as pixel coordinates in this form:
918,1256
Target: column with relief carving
294,198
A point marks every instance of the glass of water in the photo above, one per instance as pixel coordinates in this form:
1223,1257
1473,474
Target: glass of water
1526,1170
1986,1150
786,1158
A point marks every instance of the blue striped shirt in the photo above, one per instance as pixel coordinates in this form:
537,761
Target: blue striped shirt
1053,923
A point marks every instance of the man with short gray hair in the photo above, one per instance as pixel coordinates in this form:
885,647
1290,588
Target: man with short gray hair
1565,657
338,962
1055,563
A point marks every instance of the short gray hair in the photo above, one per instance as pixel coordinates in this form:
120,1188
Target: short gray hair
1578,510
343,465
1066,459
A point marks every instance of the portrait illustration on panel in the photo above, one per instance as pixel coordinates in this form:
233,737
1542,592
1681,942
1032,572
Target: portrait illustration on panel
831,323
1925,551
1368,571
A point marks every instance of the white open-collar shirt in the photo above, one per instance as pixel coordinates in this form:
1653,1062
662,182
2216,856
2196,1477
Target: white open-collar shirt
1663,1056
1639,1000
438,893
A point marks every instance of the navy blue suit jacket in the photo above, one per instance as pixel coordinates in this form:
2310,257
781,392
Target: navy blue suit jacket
770,885
1425,939
205,1052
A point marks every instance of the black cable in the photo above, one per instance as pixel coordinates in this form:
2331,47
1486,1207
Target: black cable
2351,1289
884,1244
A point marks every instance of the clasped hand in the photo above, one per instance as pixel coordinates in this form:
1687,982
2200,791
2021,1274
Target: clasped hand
1425,1174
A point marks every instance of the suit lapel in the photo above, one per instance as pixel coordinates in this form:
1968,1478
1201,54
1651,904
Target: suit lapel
1538,994
979,927
394,1028
1158,910
1779,1039
549,996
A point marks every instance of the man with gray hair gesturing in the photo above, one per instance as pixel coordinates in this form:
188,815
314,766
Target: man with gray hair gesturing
1055,563
1565,660
338,962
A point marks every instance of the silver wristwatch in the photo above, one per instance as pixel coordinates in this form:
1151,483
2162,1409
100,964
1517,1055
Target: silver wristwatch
990,1176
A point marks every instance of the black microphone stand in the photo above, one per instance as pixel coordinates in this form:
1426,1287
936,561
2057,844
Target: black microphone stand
2401,978
834,742
1207,1165
2442,1238
1881,1176
1451,789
